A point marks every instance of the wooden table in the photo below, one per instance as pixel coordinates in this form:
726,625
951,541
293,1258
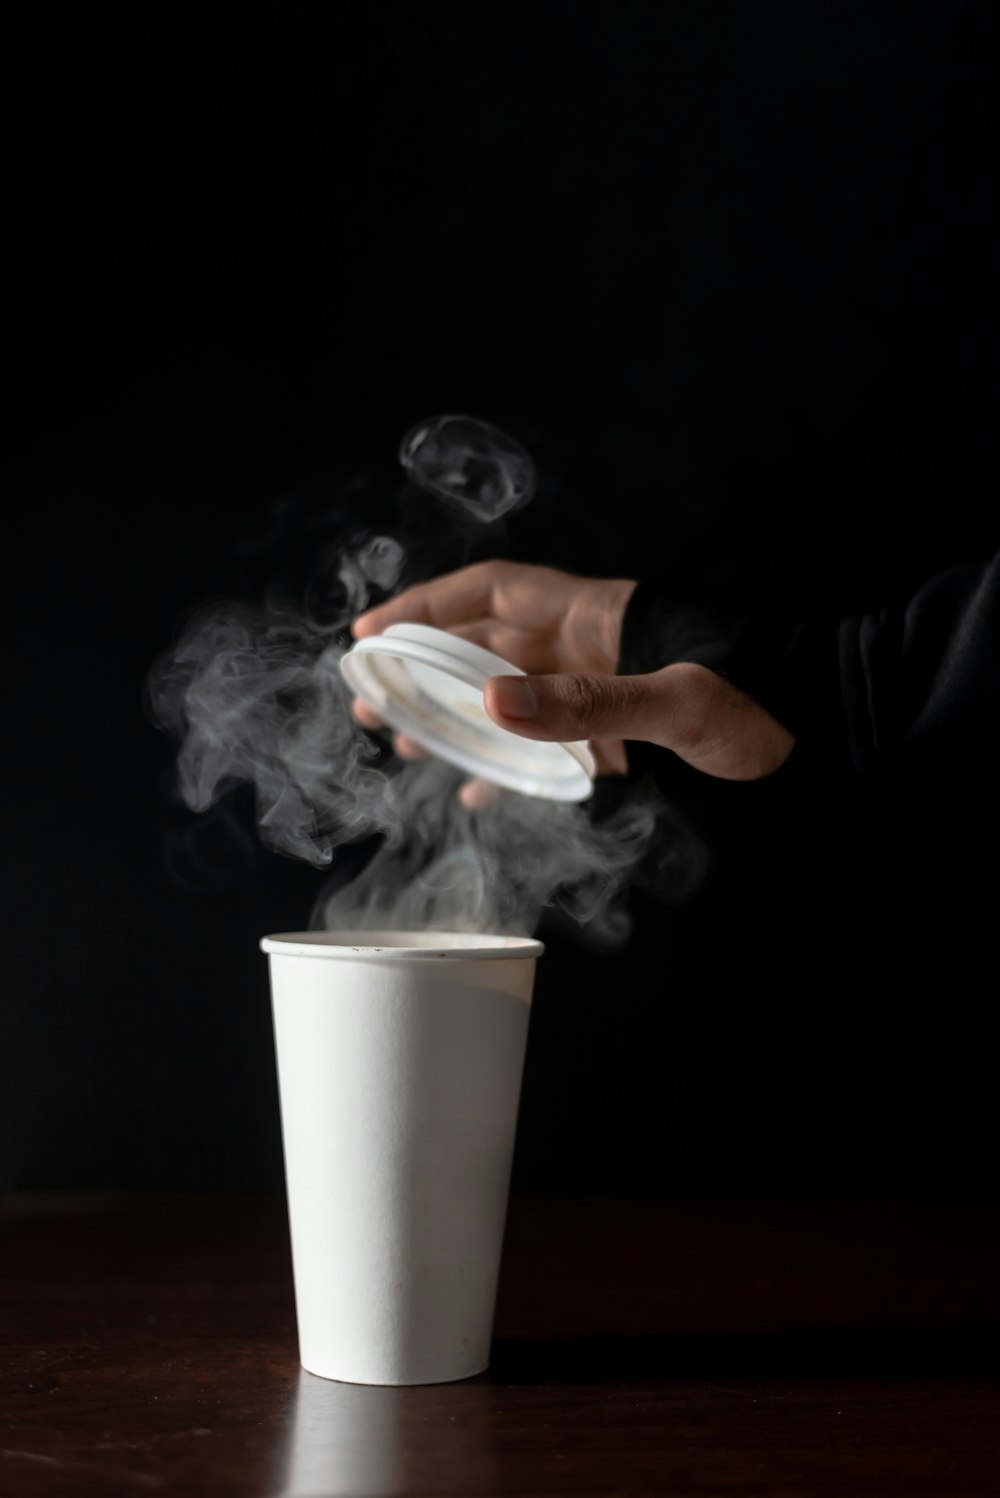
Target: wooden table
642,1347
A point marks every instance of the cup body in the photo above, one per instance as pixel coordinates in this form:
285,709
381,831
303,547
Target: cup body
400,1059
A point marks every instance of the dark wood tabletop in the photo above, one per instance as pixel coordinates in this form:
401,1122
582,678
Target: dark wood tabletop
642,1347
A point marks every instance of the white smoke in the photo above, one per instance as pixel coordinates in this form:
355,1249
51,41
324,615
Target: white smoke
470,464
496,869
255,696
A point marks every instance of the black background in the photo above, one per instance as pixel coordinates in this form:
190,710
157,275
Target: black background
729,271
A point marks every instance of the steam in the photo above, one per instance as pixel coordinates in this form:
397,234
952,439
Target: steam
472,465
496,869
254,695
378,562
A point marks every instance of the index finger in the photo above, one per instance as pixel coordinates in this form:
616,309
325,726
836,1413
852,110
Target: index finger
456,598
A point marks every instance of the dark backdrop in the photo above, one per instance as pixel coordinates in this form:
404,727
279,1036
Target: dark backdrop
729,271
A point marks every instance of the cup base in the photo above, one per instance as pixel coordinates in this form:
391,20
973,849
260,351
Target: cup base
396,1383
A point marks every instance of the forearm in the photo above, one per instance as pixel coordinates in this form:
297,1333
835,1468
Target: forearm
861,692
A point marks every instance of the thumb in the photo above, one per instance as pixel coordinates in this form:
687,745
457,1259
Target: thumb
687,708
572,707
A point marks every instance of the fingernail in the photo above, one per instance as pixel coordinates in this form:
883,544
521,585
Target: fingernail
514,697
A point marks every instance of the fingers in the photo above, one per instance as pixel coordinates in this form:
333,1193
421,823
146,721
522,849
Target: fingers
408,748
477,795
404,746
365,715
609,756
455,598
507,591
699,715
534,653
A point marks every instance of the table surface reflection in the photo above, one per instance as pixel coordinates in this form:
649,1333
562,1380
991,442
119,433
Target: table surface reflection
148,1346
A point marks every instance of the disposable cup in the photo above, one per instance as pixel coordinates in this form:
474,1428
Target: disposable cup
400,1057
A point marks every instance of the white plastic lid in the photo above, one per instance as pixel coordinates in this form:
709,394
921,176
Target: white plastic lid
429,685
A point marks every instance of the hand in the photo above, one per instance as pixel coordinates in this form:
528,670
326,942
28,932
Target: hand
537,618
566,632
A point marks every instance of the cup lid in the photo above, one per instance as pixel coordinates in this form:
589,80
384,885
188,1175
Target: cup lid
428,684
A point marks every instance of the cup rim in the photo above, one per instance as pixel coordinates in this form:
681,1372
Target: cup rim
399,946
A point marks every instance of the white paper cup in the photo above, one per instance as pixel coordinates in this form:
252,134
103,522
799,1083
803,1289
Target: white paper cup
400,1058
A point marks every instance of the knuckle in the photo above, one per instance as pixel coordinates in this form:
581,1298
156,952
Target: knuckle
696,708
588,698
491,577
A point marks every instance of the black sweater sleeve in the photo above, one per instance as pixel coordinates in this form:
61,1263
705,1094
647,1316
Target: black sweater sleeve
862,692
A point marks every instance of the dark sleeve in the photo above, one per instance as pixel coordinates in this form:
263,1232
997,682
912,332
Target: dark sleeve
862,692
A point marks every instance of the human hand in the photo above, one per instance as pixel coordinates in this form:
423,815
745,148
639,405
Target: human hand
565,632
535,617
